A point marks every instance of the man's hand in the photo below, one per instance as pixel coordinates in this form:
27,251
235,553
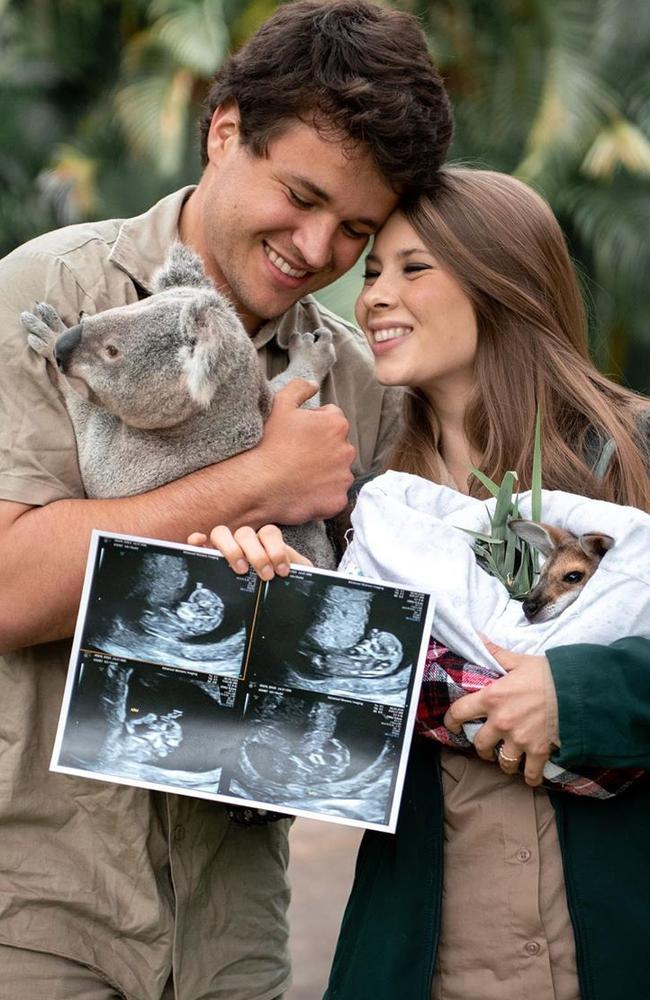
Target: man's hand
520,712
306,456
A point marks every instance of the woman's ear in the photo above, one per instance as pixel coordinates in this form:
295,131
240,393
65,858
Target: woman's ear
223,128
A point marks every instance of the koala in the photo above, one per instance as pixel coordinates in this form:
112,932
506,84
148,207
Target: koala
168,385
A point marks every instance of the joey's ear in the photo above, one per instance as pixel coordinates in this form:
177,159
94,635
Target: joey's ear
182,268
224,127
542,536
595,545
201,332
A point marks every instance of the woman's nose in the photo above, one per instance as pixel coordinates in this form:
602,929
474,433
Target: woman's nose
379,295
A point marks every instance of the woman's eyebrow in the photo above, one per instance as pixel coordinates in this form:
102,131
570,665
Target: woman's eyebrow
401,253
412,250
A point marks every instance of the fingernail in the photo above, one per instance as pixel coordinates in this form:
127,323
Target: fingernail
241,566
283,569
266,572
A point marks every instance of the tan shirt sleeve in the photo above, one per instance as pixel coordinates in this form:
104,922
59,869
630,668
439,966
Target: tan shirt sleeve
38,455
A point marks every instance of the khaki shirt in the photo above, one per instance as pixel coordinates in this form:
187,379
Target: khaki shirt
124,880
505,933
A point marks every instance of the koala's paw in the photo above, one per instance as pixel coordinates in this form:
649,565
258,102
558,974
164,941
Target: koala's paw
43,327
312,355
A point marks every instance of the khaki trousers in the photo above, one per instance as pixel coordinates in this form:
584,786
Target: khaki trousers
37,975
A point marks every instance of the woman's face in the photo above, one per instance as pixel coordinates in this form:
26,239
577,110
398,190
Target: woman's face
418,320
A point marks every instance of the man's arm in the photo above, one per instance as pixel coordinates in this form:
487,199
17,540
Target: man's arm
43,549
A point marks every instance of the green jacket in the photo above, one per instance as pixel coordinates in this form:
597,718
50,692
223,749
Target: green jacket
390,929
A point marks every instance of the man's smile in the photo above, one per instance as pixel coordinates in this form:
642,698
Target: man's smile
282,264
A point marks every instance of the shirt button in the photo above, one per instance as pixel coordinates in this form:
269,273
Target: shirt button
179,833
523,855
532,948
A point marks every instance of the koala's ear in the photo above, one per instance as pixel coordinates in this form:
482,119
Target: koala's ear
182,268
544,537
201,331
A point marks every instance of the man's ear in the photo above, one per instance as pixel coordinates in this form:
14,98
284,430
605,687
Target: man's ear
201,332
224,129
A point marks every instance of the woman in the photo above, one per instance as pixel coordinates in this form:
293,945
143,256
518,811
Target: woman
493,887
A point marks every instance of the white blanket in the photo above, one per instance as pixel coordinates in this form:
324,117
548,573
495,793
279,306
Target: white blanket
407,530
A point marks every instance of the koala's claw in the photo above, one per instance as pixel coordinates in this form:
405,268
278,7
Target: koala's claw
50,317
43,326
312,354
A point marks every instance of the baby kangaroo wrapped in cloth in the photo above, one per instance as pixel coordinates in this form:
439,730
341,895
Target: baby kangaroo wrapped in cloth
409,530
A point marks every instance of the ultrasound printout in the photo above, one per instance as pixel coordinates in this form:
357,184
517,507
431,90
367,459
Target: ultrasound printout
297,695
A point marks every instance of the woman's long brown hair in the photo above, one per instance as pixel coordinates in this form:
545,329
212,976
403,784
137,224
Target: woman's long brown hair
501,241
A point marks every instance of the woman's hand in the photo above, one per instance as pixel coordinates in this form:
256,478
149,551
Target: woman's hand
265,550
520,712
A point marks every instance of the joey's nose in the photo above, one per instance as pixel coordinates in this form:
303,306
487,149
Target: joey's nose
530,607
65,345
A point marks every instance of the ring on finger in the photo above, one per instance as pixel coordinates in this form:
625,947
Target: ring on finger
503,759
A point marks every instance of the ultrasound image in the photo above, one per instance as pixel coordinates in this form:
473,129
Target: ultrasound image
346,641
149,725
169,609
316,754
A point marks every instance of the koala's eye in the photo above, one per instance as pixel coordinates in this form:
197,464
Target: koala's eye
112,350
573,577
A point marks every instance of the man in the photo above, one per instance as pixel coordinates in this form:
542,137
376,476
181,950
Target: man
311,134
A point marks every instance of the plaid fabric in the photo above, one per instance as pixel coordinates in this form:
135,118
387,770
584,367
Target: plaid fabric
448,677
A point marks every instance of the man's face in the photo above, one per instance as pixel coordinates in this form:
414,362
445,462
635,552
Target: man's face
271,229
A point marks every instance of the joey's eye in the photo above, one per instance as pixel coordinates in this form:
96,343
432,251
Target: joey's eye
112,350
574,577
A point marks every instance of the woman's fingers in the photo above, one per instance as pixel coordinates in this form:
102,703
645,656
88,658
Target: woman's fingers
508,757
534,768
265,550
241,549
198,538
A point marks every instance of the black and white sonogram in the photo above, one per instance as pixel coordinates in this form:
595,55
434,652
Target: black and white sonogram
173,608
316,754
149,725
348,638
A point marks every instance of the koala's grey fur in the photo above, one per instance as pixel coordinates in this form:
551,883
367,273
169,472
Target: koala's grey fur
168,385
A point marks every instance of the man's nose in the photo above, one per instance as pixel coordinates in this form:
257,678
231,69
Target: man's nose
65,345
314,241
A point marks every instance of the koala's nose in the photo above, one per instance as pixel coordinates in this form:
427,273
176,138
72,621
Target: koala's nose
65,345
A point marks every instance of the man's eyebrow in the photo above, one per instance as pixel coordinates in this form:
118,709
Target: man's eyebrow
323,196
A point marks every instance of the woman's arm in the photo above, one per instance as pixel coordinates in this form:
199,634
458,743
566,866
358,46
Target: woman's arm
603,695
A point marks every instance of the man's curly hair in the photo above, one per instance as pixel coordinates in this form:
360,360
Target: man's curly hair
353,70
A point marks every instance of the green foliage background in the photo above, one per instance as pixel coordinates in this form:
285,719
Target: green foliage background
99,100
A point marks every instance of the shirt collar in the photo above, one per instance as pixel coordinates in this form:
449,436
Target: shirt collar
143,242
303,315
